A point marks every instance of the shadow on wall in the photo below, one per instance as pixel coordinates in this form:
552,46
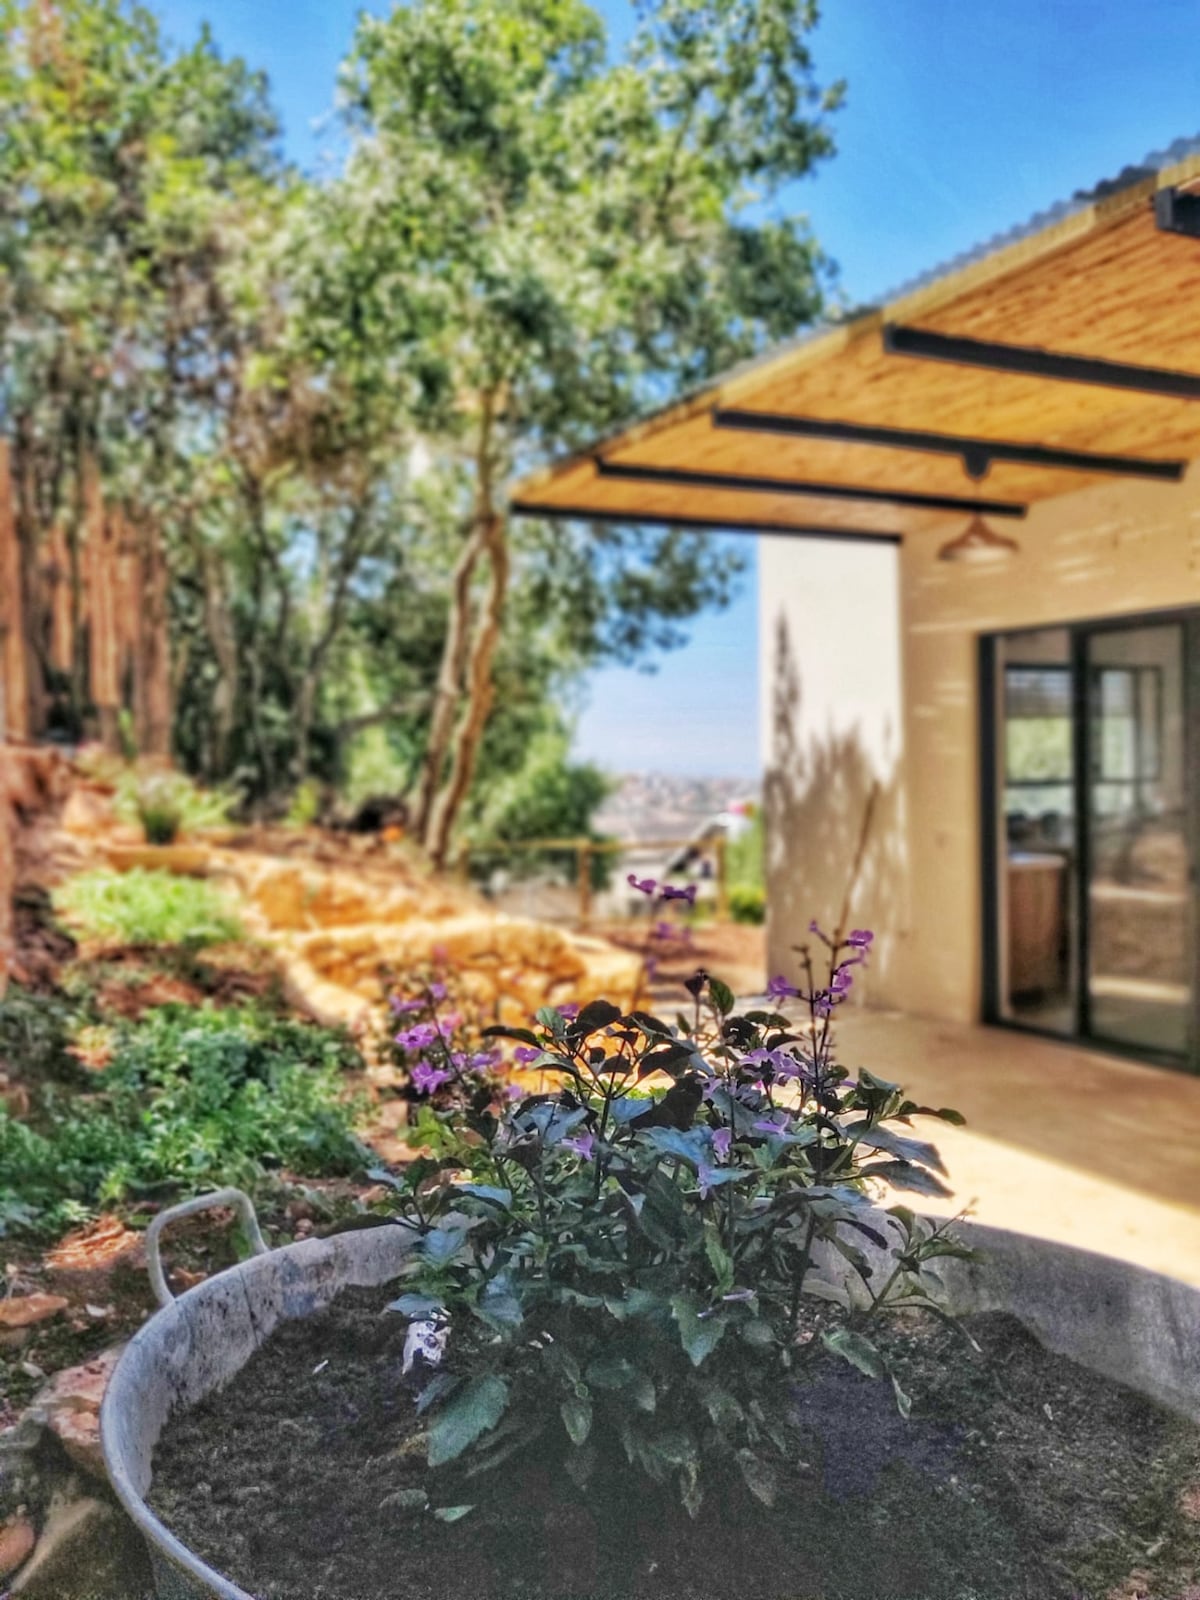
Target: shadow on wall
816,794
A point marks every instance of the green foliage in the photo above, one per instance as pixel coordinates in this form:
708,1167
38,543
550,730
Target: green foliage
622,1274
192,1099
167,804
748,903
141,907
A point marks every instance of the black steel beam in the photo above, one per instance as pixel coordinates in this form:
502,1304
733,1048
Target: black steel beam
822,491
1176,212
977,455
525,508
1033,362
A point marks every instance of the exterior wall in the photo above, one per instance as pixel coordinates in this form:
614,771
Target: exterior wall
832,730
1110,550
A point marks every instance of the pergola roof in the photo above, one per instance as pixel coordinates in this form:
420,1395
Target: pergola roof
1072,346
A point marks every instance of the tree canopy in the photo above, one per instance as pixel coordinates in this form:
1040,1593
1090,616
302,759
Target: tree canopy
315,392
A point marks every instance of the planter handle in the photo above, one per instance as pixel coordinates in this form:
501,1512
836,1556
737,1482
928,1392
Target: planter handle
241,1202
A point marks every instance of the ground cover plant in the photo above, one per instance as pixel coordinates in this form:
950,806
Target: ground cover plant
183,1100
142,907
621,1272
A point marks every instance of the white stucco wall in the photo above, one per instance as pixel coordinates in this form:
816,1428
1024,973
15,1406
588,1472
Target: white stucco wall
868,661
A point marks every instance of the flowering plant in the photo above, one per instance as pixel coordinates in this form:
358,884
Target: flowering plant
622,1262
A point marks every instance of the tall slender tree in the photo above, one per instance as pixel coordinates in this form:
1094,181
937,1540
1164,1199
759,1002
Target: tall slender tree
578,237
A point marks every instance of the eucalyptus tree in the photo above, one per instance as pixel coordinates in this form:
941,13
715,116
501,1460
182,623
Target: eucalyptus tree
121,165
579,237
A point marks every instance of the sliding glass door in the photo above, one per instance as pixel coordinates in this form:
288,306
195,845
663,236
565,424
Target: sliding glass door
1140,975
1091,809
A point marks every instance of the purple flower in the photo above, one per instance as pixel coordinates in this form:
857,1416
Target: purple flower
465,1061
514,1091
772,1126
721,1140
419,1037
815,927
426,1078
706,1176
841,981
670,892
665,930
780,989
583,1144
405,1007
569,1012
525,1053
642,885
860,938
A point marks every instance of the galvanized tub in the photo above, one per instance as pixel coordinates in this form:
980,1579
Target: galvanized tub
1137,1327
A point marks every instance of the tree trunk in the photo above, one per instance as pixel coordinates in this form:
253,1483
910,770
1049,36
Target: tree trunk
450,676
479,694
456,647
14,678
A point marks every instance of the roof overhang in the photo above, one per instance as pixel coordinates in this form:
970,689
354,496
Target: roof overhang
1065,357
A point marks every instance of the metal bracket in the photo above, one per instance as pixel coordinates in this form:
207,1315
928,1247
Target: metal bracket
1177,212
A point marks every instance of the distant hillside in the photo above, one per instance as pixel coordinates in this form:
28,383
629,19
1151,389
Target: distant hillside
656,805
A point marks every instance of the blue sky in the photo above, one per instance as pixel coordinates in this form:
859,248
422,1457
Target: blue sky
963,117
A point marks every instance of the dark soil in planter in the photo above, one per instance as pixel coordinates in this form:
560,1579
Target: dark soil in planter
1018,1475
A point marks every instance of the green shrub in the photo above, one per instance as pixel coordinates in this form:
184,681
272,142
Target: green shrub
747,903
167,804
623,1276
146,908
193,1099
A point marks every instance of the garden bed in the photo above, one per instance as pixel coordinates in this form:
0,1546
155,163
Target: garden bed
1018,1474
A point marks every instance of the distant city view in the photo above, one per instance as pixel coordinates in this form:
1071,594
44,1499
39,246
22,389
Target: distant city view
663,805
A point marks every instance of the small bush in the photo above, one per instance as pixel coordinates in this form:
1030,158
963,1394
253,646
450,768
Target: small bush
621,1277
146,908
167,804
747,904
192,1099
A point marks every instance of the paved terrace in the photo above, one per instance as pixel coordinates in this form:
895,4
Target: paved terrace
1061,1142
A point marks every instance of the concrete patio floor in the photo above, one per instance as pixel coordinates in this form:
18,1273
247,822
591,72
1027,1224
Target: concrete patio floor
1060,1142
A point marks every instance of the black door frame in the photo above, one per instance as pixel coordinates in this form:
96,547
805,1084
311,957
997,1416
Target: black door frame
987,685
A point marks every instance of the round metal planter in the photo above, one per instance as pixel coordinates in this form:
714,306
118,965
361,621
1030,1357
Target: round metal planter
1137,1327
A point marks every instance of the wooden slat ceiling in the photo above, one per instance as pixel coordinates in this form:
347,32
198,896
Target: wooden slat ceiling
1105,282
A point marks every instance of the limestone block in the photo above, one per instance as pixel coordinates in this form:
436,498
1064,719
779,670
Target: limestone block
69,1407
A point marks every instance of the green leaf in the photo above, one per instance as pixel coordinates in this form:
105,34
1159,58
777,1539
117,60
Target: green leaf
499,1303
436,1389
759,1475
521,1035
577,1418
722,996
471,1412
595,1015
440,1245
453,1513
700,1335
758,1333
903,1175
855,1349
619,1373
415,1305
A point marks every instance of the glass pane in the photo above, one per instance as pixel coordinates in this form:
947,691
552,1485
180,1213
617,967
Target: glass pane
1139,967
1036,894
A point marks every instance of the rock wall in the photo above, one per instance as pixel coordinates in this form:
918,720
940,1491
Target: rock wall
338,930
